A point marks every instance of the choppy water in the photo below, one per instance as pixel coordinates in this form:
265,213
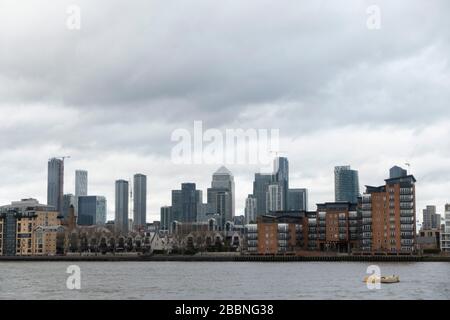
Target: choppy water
221,280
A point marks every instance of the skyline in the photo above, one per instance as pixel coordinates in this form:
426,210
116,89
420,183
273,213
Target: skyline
156,216
340,93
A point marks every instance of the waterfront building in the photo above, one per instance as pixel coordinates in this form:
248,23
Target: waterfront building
338,226
121,221
445,233
91,210
346,184
276,235
140,201
55,183
428,241
28,228
389,215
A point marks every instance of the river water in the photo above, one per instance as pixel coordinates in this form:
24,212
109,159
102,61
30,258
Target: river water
222,280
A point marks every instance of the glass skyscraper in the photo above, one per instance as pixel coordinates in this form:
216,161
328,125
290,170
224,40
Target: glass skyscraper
55,184
121,210
91,210
140,201
346,184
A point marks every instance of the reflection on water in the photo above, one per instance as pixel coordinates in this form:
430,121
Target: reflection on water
222,280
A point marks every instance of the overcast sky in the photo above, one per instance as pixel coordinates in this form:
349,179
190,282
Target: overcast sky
111,94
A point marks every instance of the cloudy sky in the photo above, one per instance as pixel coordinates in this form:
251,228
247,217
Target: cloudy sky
111,94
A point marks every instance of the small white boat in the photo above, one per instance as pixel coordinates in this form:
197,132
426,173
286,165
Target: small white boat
383,279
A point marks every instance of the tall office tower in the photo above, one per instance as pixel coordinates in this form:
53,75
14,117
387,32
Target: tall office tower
121,217
189,198
81,186
222,186
298,200
274,197
431,219
68,200
55,183
281,177
260,187
346,184
81,183
140,201
250,209
92,210
445,234
166,219
176,206
389,216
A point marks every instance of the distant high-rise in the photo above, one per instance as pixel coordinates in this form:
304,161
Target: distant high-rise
431,219
281,177
346,184
189,200
222,187
298,200
55,184
274,198
140,201
91,210
81,186
121,217
250,209
81,183
260,186
166,218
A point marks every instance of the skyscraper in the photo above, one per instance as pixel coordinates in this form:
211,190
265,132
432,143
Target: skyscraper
55,184
121,216
81,183
250,209
81,186
346,184
298,200
221,195
140,201
281,177
189,200
166,218
274,198
92,210
260,186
